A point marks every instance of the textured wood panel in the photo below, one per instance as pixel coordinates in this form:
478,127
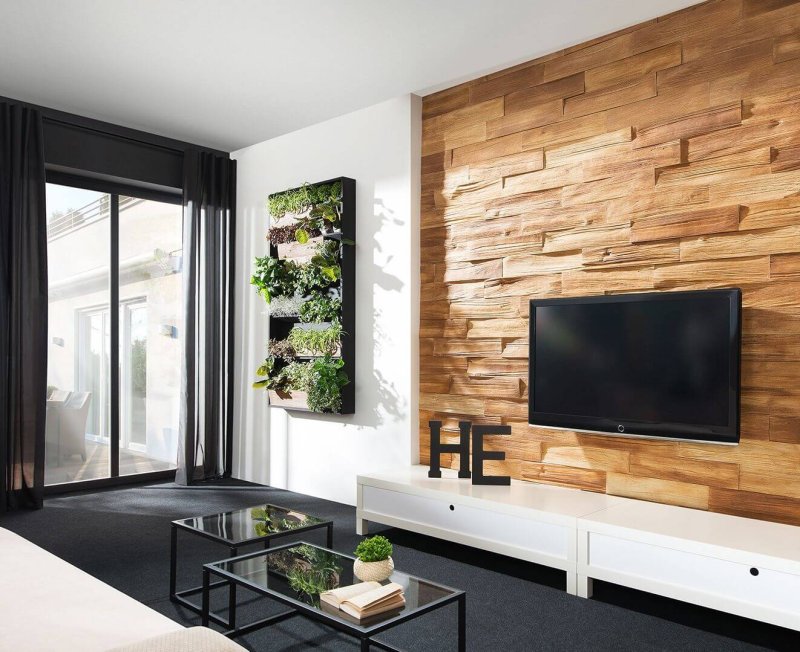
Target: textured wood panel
664,156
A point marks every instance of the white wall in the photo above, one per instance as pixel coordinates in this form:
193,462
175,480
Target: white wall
321,455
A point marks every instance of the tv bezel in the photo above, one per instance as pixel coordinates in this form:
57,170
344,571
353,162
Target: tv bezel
728,434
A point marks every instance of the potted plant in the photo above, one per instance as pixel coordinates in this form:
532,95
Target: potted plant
373,559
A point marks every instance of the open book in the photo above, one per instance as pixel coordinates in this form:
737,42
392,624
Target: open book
365,599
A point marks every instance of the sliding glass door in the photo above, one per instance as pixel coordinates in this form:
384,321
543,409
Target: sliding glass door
115,323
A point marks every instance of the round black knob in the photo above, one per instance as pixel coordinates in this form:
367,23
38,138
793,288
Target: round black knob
754,571
452,508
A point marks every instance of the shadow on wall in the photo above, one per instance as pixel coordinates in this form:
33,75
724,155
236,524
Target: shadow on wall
377,398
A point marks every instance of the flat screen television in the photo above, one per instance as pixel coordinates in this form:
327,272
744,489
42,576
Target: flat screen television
662,365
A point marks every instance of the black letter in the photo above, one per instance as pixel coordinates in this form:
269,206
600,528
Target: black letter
437,447
479,455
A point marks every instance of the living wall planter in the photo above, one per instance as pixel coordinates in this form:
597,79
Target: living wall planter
343,236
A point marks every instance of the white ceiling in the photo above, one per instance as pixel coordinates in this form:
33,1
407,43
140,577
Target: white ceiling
230,73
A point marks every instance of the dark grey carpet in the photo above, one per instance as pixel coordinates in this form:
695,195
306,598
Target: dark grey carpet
121,536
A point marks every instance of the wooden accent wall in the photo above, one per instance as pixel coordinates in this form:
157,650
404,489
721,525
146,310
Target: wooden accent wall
662,157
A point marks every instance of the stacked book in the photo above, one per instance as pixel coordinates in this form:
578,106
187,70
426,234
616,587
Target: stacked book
364,600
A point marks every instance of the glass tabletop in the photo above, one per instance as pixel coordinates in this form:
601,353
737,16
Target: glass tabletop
302,571
243,525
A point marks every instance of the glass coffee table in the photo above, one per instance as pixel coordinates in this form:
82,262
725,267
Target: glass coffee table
295,574
236,529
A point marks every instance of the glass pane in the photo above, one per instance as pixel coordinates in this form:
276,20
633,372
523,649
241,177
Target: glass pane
151,328
303,571
242,525
78,253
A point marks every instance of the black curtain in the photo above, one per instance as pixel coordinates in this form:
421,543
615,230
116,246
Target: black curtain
209,190
23,307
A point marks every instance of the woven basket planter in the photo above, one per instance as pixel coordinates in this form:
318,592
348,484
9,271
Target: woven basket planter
373,571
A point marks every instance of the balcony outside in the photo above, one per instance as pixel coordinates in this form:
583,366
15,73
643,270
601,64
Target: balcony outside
150,331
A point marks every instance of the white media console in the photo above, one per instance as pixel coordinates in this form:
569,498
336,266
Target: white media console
739,565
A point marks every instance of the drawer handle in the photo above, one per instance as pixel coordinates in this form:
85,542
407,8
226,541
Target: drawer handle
754,572
452,508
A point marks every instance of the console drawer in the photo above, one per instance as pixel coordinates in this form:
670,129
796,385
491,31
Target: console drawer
682,574
470,525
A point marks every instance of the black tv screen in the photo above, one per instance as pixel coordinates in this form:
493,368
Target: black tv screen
654,365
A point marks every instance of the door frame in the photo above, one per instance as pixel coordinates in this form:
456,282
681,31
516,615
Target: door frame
114,189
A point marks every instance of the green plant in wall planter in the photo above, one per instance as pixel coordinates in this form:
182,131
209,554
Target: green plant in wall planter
316,339
326,259
274,277
319,208
327,378
320,308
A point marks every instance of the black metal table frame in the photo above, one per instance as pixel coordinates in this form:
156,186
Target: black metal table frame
364,634
180,597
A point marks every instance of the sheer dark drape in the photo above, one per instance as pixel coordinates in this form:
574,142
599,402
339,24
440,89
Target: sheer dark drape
23,307
209,189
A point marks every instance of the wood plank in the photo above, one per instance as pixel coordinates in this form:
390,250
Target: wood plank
592,236
770,214
588,147
783,266
742,244
460,272
565,476
445,101
500,85
504,166
757,55
530,286
715,273
711,474
786,48
514,266
655,253
786,159
658,490
490,387
754,505
489,328
637,89
694,124
543,180
718,170
457,346
685,224
600,281
451,403
501,307
638,65
491,367
535,116
442,328
530,98
585,58
506,409
754,455
784,429
757,7
583,457
536,138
